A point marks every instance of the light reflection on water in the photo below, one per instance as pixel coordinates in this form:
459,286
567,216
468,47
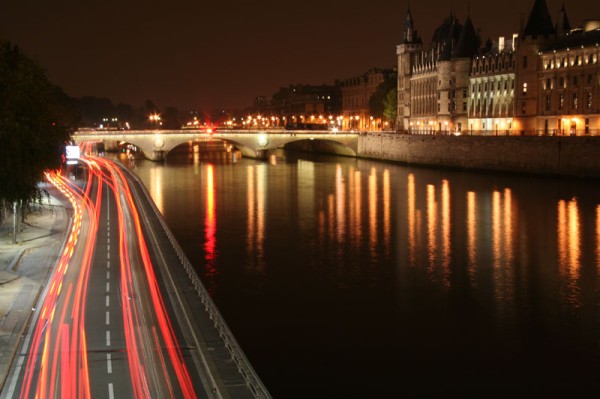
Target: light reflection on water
569,249
403,268
598,236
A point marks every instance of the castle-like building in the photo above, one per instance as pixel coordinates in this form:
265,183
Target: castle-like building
543,80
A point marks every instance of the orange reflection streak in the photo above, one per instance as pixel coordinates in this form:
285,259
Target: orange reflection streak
340,206
431,225
562,233
210,223
386,212
261,203
411,214
471,234
355,206
574,239
373,213
256,197
446,226
331,216
569,247
598,237
496,228
251,212
508,230
156,187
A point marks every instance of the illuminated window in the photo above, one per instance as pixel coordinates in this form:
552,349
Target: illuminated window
524,88
574,101
561,101
589,100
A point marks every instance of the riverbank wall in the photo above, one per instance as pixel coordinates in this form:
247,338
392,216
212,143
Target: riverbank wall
577,157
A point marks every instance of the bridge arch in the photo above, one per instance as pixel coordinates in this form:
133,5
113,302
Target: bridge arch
155,144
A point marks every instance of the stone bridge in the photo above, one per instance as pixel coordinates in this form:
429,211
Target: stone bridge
156,144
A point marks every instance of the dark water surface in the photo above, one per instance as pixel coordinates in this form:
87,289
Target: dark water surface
351,278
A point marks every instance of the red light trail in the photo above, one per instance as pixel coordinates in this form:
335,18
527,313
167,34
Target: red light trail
57,363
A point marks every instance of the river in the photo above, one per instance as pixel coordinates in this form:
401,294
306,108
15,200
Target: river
343,277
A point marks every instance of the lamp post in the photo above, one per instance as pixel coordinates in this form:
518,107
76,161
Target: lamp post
155,119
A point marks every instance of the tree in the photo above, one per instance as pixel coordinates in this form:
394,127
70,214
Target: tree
170,117
32,136
376,101
390,105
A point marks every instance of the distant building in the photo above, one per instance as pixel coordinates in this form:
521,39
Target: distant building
299,105
543,80
356,92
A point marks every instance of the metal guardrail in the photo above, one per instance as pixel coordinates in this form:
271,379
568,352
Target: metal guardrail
244,367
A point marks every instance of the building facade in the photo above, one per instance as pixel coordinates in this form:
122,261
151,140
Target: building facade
543,80
356,92
433,83
569,84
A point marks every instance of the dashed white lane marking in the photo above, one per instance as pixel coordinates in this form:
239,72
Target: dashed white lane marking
108,338
108,265
107,247
108,255
111,393
108,286
107,317
108,275
109,363
107,301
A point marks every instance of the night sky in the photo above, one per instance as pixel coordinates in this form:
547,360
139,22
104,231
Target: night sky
223,53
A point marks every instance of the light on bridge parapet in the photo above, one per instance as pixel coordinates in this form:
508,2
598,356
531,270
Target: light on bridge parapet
156,144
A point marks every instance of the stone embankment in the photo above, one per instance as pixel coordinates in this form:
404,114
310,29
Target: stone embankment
553,156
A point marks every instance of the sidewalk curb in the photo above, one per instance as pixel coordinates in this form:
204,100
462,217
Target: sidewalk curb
15,261
21,326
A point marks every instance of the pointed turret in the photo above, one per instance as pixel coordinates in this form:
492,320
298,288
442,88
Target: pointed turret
410,34
539,22
468,42
563,26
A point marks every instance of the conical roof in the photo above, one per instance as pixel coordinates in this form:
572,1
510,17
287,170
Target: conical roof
468,42
539,22
562,24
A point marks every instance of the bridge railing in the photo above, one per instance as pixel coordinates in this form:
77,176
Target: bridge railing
216,132
237,355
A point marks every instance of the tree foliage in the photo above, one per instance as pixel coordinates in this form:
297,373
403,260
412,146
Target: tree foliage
31,134
377,99
390,105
